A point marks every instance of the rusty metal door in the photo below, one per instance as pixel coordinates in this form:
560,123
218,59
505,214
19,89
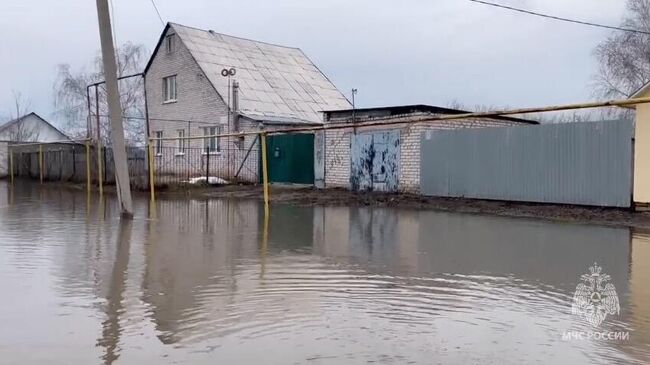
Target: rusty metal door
375,161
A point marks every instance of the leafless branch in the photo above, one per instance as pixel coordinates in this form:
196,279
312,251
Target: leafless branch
624,58
70,95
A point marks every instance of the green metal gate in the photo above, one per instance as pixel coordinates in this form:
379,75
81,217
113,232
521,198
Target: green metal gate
291,158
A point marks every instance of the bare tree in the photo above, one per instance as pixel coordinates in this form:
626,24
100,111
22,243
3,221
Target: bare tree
624,57
21,104
568,116
72,105
20,130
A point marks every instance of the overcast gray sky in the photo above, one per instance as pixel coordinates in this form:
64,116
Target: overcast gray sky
393,51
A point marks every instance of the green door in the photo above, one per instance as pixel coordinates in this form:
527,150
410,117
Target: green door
291,158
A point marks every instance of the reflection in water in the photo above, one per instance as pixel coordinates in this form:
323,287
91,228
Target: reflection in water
115,296
639,302
196,281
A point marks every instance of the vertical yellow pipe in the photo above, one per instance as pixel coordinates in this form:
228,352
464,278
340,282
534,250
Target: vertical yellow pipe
99,168
151,174
40,160
265,173
152,209
265,244
88,167
11,165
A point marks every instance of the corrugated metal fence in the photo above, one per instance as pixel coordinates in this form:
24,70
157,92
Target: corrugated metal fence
572,163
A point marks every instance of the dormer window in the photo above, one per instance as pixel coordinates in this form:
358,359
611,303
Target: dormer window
170,43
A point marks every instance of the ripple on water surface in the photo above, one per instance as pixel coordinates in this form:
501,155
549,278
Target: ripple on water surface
201,281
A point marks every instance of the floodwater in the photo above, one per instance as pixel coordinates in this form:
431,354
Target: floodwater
204,282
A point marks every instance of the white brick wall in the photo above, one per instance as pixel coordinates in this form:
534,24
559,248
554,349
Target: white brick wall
196,98
337,149
337,158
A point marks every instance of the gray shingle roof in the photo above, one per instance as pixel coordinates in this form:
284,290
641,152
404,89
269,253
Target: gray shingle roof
275,82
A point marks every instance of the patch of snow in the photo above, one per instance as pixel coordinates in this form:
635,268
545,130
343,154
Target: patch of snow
212,180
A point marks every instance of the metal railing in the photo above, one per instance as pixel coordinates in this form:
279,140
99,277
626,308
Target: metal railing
225,163
229,163
74,162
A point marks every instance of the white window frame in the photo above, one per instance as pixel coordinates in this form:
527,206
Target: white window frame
212,144
170,43
159,143
169,89
180,142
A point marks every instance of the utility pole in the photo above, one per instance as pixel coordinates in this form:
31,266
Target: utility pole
354,109
228,73
114,111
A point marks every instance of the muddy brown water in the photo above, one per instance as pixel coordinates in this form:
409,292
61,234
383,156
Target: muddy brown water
203,282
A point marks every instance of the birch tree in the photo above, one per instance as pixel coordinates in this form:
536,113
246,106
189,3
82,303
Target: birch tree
624,57
72,106
20,131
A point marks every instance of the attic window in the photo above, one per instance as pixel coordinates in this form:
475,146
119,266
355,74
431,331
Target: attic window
170,43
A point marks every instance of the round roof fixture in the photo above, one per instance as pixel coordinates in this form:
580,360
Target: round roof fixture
228,72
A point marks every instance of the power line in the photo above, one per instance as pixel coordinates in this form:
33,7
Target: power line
157,12
630,30
158,119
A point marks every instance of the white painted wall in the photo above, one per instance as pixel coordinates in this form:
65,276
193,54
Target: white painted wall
42,131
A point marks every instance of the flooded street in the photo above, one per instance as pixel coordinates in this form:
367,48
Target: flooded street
205,282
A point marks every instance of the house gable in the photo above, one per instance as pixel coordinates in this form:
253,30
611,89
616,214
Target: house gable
31,128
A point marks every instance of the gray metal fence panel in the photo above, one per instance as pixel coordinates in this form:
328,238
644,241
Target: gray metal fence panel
4,159
573,163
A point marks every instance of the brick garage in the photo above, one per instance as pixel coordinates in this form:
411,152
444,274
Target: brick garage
339,150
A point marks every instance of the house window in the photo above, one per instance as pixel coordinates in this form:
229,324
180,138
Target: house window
170,43
211,144
159,143
180,147
169,88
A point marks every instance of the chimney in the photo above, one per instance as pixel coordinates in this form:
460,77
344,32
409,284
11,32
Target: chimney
235,106
235,113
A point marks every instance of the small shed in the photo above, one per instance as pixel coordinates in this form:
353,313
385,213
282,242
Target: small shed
26,129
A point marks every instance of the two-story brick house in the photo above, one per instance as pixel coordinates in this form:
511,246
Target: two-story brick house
187,95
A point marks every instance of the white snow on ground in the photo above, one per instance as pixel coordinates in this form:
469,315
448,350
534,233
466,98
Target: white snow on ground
212,180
